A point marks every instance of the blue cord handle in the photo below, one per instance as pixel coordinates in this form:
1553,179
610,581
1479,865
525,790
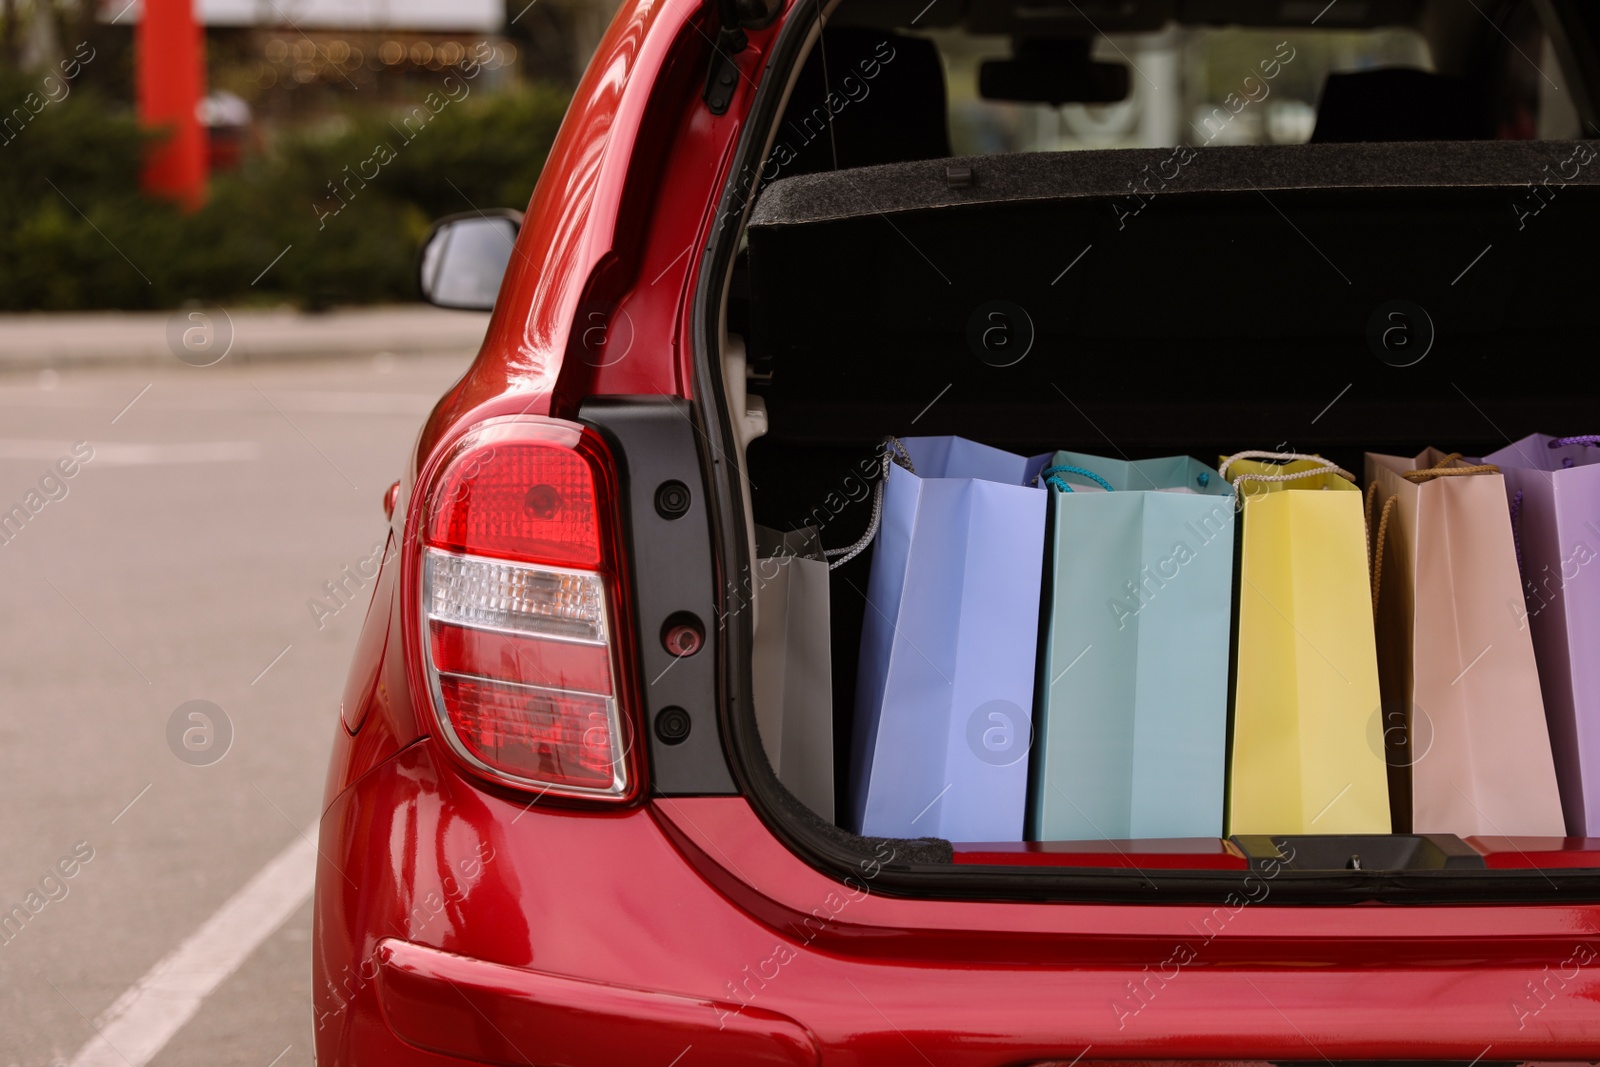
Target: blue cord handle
1051,477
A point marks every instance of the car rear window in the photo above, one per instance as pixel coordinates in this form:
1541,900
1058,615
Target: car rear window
891,83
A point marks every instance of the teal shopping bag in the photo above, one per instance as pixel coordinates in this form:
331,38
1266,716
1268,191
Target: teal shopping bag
1131,736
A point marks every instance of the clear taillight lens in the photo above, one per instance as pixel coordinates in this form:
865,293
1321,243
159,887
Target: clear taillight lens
507,596
518,590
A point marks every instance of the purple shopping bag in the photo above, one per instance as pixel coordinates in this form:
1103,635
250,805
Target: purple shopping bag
1553,486
944,692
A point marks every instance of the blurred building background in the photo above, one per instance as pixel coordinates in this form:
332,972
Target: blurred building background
324,176
294,57
297,60
299,95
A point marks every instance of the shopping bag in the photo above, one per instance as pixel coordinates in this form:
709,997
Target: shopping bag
1474,757
791,664
1306,755
1553,486
1133,685
944,692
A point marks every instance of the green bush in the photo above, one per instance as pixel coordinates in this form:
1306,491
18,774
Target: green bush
76,233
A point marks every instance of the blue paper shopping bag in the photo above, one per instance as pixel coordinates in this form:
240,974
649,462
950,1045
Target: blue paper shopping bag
1133,705
944,696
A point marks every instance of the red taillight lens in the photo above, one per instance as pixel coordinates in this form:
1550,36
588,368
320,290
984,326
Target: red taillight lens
561,738
517,598
519,501
552,664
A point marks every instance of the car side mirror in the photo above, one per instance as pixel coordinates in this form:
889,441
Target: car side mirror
464,258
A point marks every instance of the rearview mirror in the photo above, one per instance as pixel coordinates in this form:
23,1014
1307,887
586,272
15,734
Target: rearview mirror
464,259
1052,72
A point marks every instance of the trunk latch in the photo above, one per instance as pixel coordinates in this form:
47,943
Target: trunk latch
1359,852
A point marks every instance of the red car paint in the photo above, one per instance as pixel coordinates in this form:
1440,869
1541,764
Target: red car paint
459,923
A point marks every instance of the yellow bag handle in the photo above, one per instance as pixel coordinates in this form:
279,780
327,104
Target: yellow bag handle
1324,466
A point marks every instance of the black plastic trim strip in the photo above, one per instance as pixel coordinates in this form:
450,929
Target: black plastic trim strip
654,446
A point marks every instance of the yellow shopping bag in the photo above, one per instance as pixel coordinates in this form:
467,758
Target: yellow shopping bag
1307,752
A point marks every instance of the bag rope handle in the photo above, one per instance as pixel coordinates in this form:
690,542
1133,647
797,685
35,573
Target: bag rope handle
1285,457
1516,534
1326,466
893,449
1375,544
1439,470
1052,477
1592,440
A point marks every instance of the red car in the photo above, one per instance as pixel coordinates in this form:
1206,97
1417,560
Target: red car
769,233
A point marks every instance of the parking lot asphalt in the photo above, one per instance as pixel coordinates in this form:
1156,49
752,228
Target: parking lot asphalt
177,524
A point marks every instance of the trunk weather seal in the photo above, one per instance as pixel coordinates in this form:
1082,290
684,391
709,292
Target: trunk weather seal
829,854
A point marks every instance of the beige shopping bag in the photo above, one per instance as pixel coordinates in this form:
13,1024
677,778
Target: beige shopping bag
1463,718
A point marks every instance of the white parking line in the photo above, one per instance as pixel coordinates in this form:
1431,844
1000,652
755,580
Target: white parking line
141,1021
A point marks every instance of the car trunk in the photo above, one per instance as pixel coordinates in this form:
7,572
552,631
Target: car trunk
1164,303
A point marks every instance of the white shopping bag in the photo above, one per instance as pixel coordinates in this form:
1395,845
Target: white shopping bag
792,665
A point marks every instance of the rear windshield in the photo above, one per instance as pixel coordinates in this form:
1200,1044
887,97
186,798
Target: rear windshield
952,79
1232,85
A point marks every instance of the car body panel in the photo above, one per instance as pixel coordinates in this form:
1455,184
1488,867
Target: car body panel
627,190
591,228
554,922
549,900
491,1013
734,849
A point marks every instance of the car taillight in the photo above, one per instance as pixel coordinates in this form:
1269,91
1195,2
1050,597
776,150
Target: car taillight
518,601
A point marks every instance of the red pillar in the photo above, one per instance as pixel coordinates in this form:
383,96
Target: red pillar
170,78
